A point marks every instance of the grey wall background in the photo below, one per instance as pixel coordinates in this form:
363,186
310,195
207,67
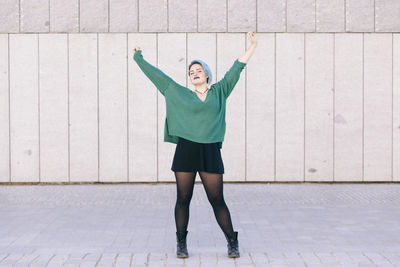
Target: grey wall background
318,101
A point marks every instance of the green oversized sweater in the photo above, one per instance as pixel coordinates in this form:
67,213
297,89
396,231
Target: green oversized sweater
187,116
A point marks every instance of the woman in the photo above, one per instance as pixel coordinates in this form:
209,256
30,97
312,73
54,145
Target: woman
195,121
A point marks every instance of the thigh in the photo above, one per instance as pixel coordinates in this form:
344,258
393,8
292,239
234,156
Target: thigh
185,184
213,184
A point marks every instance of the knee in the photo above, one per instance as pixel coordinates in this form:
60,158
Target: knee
184,198
216,200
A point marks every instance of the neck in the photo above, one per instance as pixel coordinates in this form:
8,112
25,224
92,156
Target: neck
201,87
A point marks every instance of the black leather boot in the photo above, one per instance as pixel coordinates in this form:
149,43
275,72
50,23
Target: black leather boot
233,245
181,248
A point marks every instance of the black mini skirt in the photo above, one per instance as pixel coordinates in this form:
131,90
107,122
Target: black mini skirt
192,156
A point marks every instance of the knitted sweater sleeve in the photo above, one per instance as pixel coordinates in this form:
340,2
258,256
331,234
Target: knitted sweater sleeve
156,76
231,77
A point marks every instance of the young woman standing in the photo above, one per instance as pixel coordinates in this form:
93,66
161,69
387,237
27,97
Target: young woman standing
195,121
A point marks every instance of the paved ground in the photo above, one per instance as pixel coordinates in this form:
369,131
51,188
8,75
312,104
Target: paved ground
133,225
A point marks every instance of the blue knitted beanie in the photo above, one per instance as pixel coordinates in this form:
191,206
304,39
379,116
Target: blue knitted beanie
205,67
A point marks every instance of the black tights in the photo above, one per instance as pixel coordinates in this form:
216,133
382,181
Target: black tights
213,186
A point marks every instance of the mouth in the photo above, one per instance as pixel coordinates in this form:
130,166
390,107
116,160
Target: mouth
196,78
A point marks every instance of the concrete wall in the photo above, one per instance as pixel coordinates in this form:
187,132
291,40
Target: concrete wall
318,101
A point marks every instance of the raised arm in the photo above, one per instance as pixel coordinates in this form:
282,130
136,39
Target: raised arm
156,76
231,77
246,56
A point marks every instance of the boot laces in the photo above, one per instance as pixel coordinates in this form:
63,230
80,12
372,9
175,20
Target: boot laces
233,245
182,246
181,243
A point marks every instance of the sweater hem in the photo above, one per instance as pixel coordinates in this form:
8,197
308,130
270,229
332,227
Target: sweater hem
194,139
173,138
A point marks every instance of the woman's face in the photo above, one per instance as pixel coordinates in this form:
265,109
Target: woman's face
197,74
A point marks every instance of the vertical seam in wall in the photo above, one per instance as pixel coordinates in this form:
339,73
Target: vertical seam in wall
69,130
157,107
286,15
167,16
226,10
9,110
275,106
19,16
138,20
38,76
374,15
197,15
108,14
363,130
256,16
345,16
98,113
315,15
304,107
245,113
333,106
49,15
392,105
127,106
79,15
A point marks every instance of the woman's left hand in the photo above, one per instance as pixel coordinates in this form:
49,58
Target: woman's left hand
251,37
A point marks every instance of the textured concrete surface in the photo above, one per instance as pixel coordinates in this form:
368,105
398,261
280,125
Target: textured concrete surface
199,16
133,225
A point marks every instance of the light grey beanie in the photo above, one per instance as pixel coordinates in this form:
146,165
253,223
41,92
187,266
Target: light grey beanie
205,67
